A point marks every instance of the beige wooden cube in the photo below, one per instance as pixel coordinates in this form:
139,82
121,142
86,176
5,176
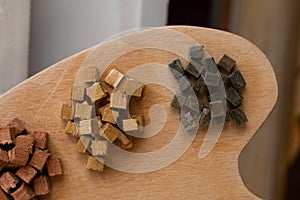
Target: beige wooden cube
95,92
89,127
130,125
99,147
113,78
71,129
118,101
83,111
78,93
90,74
110,116
110,132
94,164
134,88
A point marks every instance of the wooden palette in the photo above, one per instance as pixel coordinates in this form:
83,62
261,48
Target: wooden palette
37,101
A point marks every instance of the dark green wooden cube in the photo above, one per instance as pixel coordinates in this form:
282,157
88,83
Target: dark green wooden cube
234,97
237,80
177,66
227,63
238,116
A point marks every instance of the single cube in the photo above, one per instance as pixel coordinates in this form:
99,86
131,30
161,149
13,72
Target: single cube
23,193
3,159
78,93
8,181
110,132
26,142
6,138
238,116
83,111
237,80
17,126
227,63
94,164
99,148
123,138
41,185
217,109
114,78
19,155
188,122
234,97
83,144
196,52
176,68
67,112
140,121
26,173
90,74
192,70
95,92
134,88
130,125
89,127
54,167
118,101
110,116
71,129
41,139
39,159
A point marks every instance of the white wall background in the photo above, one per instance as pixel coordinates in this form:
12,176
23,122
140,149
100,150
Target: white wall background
14,38
61,28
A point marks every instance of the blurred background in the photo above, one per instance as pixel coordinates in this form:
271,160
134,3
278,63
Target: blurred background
36,34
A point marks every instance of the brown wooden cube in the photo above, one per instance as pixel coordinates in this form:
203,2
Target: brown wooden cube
3,159
25,142
23,193
6,137
71,129
110,132
94,164
41,185
39,159
54,167
19,155
114,78
95,92
41,139
26,173
17,126
67,112
8,181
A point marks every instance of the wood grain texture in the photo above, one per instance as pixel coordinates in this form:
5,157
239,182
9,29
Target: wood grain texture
37,102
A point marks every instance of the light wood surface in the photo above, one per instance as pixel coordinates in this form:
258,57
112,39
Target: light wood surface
38,100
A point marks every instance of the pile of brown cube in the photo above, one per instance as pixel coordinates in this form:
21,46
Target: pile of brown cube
202,73
25,163
99,118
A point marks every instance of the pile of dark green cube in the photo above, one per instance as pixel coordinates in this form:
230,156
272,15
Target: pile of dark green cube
205,76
